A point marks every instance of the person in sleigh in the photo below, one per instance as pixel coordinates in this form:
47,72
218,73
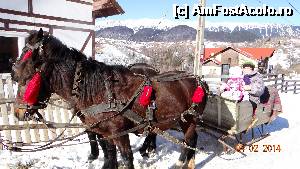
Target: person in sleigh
234,88
244,84
254,84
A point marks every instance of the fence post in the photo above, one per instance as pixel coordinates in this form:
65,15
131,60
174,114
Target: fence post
66,117
286,86
282,82
4,111
75,130
295,87
50,112
58,118
12,108
45,131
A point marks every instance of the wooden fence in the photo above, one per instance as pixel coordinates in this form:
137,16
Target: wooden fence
12,130
283,83
280,81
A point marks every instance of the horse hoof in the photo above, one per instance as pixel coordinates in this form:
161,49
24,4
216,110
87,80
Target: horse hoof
191,164
109,165
144,153
92,157
178,165
151,153
124,167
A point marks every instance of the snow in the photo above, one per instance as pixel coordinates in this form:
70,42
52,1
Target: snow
284,132
119,53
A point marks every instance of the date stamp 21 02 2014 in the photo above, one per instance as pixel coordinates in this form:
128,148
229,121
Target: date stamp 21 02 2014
267,148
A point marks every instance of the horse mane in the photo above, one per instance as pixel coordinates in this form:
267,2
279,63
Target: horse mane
62,66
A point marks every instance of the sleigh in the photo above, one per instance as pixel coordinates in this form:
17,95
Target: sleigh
231,118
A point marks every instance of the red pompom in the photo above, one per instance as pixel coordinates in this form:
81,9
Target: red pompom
145,97
32,91
198,95
27,55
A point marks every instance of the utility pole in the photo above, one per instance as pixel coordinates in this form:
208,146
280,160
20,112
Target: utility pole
199,51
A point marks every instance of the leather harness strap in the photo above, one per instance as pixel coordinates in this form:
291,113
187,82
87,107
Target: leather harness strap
112,105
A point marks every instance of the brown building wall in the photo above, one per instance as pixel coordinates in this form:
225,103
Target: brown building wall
230,57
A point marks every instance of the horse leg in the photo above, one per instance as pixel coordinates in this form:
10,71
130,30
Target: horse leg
124,147
152,143
110,154
187,154
149,145
94,146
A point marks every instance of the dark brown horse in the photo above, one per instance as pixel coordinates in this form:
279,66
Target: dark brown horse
97,83
149,144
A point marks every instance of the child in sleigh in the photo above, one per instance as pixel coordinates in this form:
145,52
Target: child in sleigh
234,88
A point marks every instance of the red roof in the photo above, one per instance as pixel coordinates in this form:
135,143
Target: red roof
258,53
208,52
255,53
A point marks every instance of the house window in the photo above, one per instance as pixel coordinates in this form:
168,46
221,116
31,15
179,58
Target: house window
229,61
8,51
225,71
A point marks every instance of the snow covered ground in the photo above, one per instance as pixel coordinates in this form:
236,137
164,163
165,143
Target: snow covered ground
119,52
284,132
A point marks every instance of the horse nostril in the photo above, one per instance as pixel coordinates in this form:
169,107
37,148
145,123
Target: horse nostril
20,114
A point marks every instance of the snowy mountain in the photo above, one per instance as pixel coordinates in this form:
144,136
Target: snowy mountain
163,30
170,45
137,24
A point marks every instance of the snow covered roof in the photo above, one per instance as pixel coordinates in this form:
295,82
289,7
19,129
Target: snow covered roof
104,8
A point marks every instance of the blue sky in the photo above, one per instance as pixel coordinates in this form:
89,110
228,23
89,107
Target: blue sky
155,9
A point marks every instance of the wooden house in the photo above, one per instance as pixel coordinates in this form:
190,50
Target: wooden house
72,21
217,61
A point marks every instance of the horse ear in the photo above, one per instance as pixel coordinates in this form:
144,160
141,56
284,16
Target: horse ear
40,33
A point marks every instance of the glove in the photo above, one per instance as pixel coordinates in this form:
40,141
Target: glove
247,87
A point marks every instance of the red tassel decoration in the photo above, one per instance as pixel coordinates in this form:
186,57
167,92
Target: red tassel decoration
27,55
32,91
145,97
198,95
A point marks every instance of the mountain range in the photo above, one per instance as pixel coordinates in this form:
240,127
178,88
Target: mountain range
167,31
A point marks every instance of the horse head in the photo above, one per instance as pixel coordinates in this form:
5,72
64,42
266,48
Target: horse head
28,72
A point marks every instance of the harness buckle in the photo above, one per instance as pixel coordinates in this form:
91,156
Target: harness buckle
150,111
112,103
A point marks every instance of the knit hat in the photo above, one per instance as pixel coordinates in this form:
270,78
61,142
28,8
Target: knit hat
248,64
235,72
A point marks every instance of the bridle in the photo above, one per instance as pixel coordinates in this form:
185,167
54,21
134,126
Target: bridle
32,109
